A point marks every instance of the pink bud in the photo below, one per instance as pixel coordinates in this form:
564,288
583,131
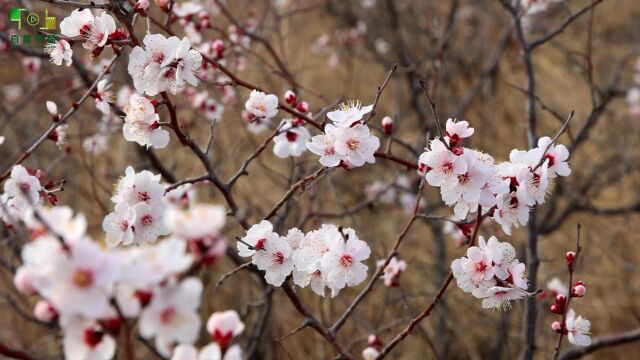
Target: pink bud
561,299
45,312
374,340
52,108
141,5
557,309
290,97
579,291
570,257
218,47
23,282
302,106
387,125
557,326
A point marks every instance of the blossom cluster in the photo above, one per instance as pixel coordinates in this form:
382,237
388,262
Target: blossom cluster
469,179
347,141
139,210
89,290
142,123
329,257
21,191
491,272
163,64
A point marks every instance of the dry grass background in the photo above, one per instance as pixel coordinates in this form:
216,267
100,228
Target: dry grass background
609,263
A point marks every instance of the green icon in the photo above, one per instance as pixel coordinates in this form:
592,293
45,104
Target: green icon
33,19
15,15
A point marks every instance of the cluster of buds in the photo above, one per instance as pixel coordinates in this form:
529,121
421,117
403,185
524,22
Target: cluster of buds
373,350
559,304
301,106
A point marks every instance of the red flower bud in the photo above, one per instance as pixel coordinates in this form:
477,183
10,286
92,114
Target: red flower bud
557,327
290,97
387,125
557,309
570,257
302,106
578,291
561,299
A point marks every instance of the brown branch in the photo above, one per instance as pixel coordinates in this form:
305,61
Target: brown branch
75,106
602,342
394,251
427,311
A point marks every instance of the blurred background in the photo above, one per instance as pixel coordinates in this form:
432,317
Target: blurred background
471,57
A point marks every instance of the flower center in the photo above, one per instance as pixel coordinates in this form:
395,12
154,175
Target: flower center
278,258
124,225
167,315
260,244
291,136
480,267
447,167
147,220
93,337
551,159
329,150
83,278
143,196
346,260
353,144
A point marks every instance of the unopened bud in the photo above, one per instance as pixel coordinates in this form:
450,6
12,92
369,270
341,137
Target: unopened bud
579,291
387,125
570,257
45,312
52,108
557,309
302,106
290,97
557,327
